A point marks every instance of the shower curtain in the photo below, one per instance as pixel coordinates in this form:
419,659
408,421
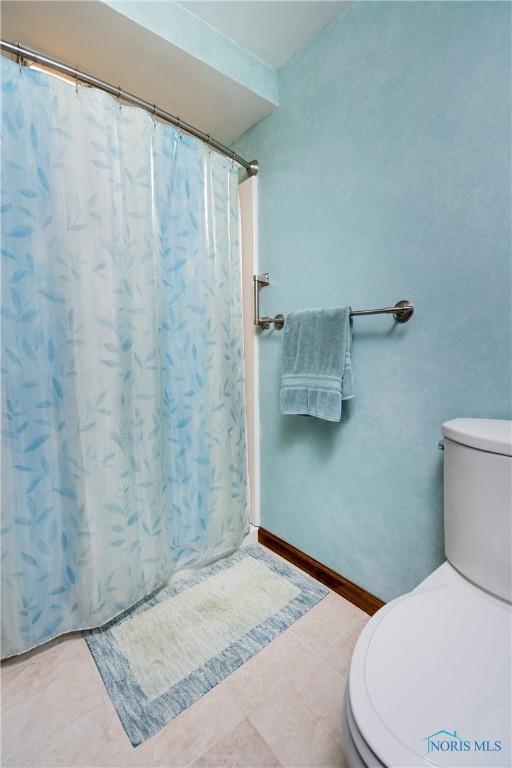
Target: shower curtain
123,446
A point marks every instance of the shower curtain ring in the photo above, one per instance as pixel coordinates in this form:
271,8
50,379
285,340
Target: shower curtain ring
76,80
19,57
179,128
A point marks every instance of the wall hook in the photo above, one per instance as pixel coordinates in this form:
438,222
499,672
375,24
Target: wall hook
260,281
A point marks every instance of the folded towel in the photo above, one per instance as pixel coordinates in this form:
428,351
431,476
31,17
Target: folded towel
316,372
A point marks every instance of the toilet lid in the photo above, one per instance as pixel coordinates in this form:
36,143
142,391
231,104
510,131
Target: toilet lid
430,680
494,435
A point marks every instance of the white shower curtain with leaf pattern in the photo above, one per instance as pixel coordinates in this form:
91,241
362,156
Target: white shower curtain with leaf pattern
123,445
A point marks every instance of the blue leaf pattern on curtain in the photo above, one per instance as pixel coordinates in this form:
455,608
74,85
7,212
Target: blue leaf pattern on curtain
124,451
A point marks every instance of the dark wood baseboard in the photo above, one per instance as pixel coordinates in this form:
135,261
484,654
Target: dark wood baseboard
335,581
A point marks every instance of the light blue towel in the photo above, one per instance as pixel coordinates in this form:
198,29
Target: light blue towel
316,371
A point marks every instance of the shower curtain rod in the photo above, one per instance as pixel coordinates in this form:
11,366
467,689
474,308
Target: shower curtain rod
21,52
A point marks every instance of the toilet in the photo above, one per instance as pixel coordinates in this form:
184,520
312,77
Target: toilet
430,677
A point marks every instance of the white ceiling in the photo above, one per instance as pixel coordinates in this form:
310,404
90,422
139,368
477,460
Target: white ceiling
274,30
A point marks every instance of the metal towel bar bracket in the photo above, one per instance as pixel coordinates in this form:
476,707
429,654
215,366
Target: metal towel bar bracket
402,311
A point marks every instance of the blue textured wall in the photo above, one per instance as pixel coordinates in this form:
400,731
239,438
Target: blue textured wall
385,175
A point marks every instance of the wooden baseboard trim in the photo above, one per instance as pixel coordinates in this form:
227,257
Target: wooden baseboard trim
335,581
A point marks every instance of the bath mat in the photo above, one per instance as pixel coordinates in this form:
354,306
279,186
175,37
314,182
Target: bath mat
159,658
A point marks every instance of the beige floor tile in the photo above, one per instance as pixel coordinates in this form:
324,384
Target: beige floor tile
45,691
323,689
65,642
327,622
339,654
94,740
253,682
192,733
98,740
302,720
243,747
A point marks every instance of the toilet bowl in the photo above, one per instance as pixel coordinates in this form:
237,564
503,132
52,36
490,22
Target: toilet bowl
430,677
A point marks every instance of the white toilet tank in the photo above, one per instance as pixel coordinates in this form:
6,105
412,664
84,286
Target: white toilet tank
478,501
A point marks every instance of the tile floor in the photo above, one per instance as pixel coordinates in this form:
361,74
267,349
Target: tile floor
282,708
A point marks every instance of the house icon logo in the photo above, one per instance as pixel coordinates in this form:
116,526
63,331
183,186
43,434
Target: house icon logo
450,741
444,741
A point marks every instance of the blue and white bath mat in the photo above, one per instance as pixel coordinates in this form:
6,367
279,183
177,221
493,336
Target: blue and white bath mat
171,649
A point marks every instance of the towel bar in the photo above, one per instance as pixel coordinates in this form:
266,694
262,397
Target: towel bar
402,311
